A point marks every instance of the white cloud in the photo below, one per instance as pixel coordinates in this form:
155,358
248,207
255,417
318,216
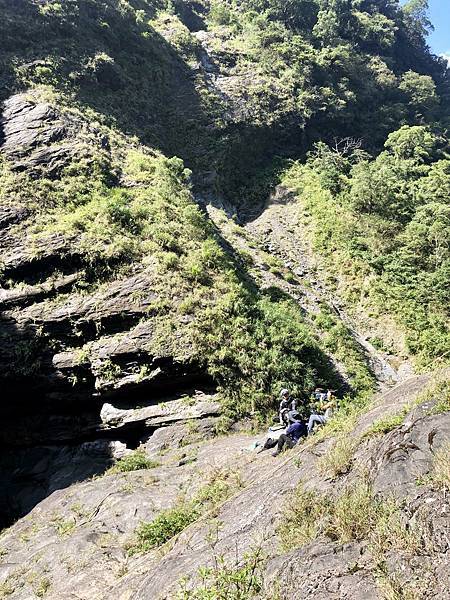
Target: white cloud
446,55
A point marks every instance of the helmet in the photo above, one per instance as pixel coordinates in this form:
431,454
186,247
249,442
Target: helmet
284,392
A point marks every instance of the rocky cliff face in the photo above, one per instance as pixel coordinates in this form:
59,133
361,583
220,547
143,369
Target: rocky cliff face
85,325
66,349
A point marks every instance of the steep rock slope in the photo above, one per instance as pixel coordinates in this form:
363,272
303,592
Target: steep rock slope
117,288
79,542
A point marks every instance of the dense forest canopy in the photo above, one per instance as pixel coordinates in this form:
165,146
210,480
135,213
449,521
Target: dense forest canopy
313,69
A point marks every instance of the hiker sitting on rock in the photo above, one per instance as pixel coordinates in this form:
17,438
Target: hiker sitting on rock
286,404
326,407
319,395
295,431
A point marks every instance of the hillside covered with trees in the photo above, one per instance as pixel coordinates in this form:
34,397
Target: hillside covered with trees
203,202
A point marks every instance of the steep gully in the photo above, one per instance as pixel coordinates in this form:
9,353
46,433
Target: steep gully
107,425
273,230
40,444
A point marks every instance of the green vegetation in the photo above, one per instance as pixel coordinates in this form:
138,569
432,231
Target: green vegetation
265,339
440,392
301,522
381,227
42,586
387,423
440,472
306,77
355,514
222,484
222,581
133,462
318,71
64,526
169,523
338,340
164,527
251,343
344,419
338,458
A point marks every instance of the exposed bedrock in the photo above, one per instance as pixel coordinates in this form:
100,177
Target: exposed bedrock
43,453
87,367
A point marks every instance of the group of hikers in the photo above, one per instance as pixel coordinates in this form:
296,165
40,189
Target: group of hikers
324,403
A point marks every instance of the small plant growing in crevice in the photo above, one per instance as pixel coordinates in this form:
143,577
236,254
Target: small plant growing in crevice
441,391
64,527
386,424
164,527
133,462
225,580
440,472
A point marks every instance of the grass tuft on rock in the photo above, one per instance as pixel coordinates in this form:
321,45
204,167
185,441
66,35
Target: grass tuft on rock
164,527
386,424
440,472
136,461
356,513
337,460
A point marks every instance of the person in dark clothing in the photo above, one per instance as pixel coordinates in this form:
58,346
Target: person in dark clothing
287,403
296,430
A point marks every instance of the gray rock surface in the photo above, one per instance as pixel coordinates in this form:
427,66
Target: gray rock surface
78,537
28,475
27,124
324,571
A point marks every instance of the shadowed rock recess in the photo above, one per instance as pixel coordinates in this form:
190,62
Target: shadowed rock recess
202,203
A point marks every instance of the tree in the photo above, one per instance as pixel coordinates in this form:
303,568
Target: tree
376,30
420,91
294,14
416,14
436,185
416,143
427,236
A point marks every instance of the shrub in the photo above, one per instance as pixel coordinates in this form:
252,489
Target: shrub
381,233
338,339
164,527
393,532
345,418
224,581
64,526
133,462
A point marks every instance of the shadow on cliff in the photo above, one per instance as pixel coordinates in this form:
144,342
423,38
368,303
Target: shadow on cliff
51,433
120,66
37,431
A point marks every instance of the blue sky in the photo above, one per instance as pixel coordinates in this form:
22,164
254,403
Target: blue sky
439,40
440,17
